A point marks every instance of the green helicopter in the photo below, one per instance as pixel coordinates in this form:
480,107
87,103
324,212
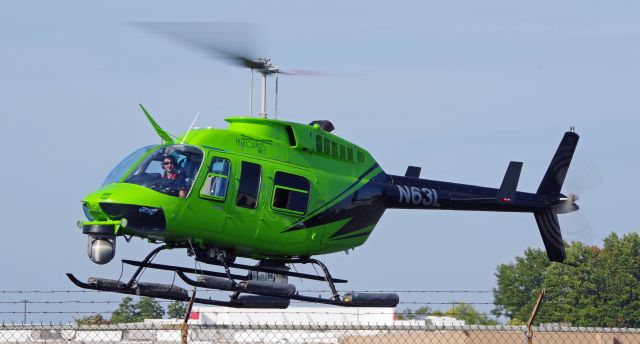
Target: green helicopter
280,193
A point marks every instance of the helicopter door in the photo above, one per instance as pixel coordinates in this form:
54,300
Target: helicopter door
289,198
209,210
243,219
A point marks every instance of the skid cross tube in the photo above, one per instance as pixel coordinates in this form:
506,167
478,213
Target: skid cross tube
182,269
279,272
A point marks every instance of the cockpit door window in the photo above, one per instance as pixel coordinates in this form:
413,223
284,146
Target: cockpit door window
217,182
249,185
169,169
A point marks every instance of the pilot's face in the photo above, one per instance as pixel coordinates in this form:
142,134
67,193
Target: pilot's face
168,166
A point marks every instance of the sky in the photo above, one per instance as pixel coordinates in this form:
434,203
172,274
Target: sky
459,88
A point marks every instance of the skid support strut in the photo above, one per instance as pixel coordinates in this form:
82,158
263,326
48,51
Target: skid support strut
262,294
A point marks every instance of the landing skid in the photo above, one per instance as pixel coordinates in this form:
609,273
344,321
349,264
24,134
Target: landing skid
262,294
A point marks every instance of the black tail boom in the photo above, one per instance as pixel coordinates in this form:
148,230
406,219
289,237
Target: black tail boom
410,192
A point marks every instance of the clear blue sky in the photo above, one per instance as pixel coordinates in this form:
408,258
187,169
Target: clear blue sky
459,88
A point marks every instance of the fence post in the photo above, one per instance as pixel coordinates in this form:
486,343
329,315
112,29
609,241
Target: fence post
533,316
185,326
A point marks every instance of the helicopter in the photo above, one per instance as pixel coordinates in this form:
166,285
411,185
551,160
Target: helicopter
278,192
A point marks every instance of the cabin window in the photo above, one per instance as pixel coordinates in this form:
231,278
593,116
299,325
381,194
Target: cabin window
249,185
318,143
334,149
215,186
290,193
291,135
349,153
327,146
360,156
343,152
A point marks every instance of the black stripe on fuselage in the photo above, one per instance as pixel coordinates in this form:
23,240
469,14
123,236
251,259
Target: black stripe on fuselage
363,208
295,226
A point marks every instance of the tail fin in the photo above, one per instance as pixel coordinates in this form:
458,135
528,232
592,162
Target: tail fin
550,186
551,236
557,171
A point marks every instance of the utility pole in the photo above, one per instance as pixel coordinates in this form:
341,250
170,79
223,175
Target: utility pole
533,317
24,319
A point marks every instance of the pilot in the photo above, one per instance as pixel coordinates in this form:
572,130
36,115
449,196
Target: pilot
172,181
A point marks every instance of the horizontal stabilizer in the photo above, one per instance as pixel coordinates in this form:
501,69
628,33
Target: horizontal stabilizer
413,172
510,182
551,236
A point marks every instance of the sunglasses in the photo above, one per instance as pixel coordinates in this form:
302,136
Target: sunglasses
167,163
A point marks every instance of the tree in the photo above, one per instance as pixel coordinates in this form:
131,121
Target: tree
407,314
602,290
177,310
518,282
422,311
96,319
468,313
126,312
149,308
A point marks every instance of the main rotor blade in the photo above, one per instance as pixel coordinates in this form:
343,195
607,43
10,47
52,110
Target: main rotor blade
233,42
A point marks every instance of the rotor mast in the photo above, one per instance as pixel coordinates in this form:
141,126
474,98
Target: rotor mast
265,68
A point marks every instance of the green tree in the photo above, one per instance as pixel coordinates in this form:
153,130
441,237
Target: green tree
518,283
96,319
149,308
407,314
129,312
602,290
177,310
424,310
126,312
468,313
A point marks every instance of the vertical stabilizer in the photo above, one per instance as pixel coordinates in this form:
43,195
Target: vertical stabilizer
551,235
557,171
550,186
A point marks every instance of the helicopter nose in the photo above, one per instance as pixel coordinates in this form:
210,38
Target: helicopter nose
143,209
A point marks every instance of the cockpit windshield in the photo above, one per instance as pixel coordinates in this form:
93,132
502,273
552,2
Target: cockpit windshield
118,172
169,169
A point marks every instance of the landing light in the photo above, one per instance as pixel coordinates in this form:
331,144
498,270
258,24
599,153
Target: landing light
123,222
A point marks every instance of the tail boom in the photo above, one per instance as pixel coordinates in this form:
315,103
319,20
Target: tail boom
410,192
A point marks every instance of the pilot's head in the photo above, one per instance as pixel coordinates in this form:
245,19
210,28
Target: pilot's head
169,164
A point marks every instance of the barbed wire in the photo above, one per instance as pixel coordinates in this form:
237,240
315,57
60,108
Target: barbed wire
170,301
265,311
302,291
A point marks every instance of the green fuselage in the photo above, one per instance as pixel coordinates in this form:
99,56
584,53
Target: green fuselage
269,226
266,188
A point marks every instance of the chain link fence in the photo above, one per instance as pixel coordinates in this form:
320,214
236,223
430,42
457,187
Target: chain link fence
349,334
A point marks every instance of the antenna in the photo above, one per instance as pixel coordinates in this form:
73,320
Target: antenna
276,97
190,127
251,95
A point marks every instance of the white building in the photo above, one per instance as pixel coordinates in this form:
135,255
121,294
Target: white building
305,316
302,316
